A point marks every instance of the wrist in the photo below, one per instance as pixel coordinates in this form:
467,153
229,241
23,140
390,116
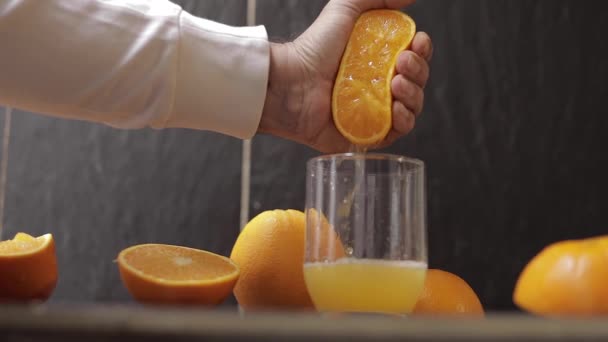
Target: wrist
284,96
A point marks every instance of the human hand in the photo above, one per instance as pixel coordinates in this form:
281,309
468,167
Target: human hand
302,74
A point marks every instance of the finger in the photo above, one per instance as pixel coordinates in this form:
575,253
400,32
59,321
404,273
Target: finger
364,5
403,123
423,46
391,138
403,119
408,93
413,67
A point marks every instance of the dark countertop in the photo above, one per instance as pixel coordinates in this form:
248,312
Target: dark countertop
92,323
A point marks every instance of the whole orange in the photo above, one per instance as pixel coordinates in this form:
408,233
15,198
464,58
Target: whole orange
566,278
270,255
447,294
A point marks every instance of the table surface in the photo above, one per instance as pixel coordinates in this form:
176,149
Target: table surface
94,323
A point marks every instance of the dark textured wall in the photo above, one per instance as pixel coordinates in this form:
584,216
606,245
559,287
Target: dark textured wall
513,136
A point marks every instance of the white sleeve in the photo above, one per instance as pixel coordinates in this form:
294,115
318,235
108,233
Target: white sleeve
132,64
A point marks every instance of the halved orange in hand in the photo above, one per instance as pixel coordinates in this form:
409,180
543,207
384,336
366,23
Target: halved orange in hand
446,294
567,278
165,274
362,102
28,268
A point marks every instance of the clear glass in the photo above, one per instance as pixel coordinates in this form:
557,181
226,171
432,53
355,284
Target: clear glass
366,249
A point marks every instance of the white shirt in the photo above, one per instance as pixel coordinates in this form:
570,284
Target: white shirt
132,64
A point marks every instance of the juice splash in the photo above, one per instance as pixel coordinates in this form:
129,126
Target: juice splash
365,285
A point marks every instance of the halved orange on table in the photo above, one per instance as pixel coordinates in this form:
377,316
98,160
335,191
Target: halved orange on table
166,274
362,100
28,268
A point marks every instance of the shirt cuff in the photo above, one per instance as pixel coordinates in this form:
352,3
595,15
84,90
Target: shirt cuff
222,77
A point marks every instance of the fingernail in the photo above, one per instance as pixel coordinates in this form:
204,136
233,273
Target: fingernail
413,65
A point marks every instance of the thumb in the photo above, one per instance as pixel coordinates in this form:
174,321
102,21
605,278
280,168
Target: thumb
361,6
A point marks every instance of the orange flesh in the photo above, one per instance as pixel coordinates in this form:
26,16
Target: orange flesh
362,99
174,263
20,245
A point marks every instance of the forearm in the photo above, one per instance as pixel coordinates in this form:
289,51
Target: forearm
131,64
285,95
80,59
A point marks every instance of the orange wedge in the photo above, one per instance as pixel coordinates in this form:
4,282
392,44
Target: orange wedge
28,268
362,100
165,274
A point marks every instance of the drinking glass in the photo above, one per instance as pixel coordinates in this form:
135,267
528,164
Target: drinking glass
366,249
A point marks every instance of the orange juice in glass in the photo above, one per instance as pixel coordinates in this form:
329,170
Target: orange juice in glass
374,205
